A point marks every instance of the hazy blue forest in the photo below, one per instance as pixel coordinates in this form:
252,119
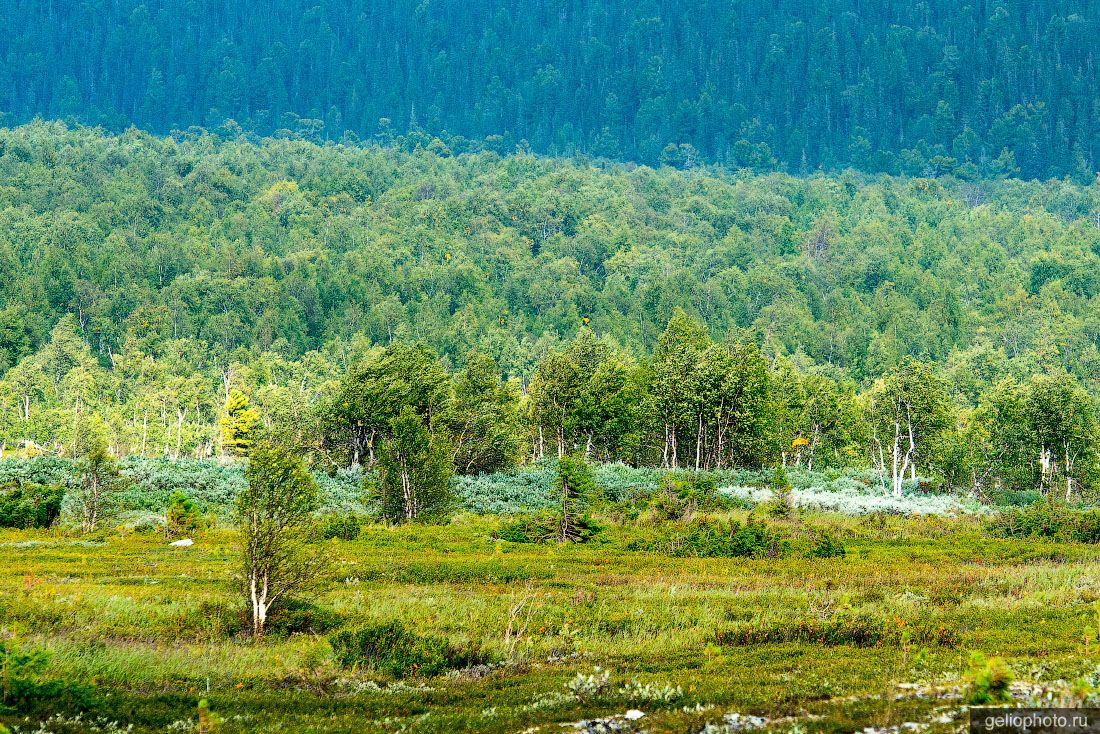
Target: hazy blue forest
921,88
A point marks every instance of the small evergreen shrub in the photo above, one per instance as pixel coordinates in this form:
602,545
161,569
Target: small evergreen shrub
1048,520
719,539
182,517
391,648
23,691
341,527
855,630
826,545
298,616
682,495
25,505
545,527
989,680
782,502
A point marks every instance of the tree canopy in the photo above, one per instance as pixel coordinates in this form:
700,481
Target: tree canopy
186,292
1001,88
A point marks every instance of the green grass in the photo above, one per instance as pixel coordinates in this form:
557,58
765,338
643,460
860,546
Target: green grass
821,642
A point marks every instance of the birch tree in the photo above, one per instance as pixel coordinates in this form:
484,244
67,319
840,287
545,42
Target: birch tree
97,474
416,470
1063,423
275,515
909,410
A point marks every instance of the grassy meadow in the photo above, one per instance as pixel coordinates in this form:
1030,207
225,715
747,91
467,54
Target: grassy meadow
140,632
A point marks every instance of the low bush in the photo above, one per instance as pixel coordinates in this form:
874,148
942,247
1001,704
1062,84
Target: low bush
988,681
782,501
682,495
298,616
854,630
719,539
182,517
25,505
24,691
1049,520
392,649
341,527
826,544
545,527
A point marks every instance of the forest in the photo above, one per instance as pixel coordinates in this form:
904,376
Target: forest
399,435
527,307
974,89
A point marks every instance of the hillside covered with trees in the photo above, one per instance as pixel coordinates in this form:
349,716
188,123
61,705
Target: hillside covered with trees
173,294
528,366
979,88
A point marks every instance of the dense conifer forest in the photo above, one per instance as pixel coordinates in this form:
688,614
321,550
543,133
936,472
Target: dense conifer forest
981,88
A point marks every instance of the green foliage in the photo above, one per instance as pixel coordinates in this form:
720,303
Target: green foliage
29,505
24,689
710,404
707,538
415,471
845,629
392,649
297,616
1043,435
652,317
1047,519
989,680
211,486
149,632
210,619
574,487
826,544
484,418
98,477
947,102
342,527
681,496
374,393
584,399
182,517
275,519
546,527
782,501
238,424
909,413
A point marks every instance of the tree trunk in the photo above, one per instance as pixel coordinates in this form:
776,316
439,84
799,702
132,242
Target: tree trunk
406,489
675,459
565,519
179,430
1069,476
699,442
664,454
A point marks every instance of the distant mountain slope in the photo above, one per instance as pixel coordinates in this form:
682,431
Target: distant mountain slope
288,245
983,87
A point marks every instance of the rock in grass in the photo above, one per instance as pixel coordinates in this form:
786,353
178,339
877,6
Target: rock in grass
186,542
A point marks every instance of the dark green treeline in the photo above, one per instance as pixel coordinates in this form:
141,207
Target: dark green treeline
991,87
